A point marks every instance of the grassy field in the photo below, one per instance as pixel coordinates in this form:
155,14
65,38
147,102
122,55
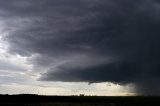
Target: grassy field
35,100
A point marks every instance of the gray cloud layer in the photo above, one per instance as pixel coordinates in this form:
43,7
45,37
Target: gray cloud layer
88,40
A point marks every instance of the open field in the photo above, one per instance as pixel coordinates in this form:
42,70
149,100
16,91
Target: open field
35,100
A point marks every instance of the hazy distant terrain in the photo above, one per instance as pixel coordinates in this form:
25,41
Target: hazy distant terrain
35,100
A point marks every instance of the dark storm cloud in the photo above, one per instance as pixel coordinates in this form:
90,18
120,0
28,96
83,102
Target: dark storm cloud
88,40
96,73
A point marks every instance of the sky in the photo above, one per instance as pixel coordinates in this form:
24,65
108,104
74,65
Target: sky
72,47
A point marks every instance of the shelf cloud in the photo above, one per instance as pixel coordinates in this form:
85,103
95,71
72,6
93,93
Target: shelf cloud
87,40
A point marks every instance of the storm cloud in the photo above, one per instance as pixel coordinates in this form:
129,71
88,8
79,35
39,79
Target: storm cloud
87,40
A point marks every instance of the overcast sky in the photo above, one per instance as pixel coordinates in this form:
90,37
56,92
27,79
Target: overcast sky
58,47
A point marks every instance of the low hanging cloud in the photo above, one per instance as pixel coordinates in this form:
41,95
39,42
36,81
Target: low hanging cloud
88,40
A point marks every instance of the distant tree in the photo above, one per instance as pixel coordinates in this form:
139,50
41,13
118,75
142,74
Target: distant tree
81,95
